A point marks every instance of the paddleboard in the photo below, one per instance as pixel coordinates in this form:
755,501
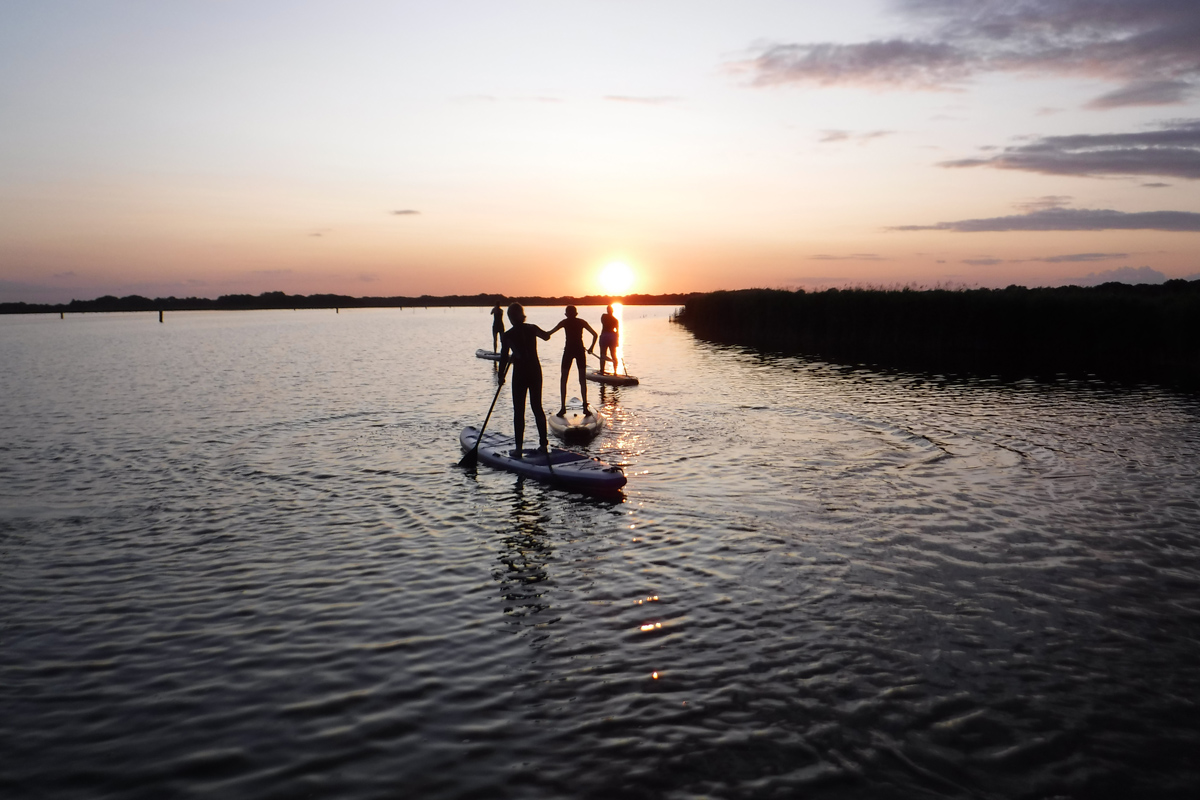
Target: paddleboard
488,354
566,469
575,425
611,379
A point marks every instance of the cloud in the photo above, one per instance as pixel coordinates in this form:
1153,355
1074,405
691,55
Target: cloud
404,212
983,262
1079,257
1121,275
1173,149
851,257
1071,219
844,136
1144,93
271,273
1149,46
1044,202
1155,185
64,275
645,101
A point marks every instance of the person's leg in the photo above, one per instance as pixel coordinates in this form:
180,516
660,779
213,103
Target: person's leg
562,384
580,367
539,413
519,390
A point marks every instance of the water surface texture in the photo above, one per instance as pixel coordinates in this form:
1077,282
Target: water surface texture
237,560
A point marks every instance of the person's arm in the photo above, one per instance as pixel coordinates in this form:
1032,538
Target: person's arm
541,334
595,335
557,327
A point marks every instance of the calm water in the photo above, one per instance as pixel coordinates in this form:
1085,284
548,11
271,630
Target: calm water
237,560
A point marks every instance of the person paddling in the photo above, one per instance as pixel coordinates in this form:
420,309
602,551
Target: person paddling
608,339
497,327
573,350
520,350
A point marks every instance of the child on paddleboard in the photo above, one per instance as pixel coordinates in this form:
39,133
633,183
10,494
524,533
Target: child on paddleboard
573,351
520,350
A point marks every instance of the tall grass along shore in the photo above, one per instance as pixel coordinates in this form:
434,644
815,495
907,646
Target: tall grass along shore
1117,331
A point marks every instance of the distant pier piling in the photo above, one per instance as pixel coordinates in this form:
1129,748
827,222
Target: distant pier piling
160,319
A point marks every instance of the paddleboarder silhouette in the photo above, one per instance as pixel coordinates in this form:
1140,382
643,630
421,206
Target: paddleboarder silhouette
573,327
520,350
497,327
609,337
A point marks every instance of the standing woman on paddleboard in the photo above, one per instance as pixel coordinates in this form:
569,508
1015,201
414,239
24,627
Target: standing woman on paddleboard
497,327
520,350
573,351
608,338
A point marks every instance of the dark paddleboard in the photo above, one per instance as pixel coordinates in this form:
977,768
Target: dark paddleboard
611,379
566,469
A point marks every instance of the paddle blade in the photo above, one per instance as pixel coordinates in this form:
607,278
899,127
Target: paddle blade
472,456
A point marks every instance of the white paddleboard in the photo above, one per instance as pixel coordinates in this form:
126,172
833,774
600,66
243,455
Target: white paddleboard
575,425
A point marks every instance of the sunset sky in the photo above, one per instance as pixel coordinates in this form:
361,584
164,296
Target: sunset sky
365,147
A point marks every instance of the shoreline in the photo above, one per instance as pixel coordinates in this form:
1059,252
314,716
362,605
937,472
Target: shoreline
280,300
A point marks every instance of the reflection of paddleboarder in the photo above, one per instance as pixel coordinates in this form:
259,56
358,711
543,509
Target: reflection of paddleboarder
520,349
497,327
573,351
608,339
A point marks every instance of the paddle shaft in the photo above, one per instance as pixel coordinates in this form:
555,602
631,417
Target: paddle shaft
601,360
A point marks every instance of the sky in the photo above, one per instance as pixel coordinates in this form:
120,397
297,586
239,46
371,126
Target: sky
372,148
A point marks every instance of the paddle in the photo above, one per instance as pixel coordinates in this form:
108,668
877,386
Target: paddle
472,455
623,367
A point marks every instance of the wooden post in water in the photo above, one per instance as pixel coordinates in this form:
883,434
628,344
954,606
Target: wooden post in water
62,315
160,315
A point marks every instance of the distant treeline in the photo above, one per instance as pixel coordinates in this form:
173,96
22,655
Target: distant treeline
268,300
1115,330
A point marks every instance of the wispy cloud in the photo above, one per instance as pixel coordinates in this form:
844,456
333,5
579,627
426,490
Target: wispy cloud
1121,275
405,212
851,257
830,136
1149,46
645,101
1073,257
1071,219
1173,149
1144,93
1069,258
1044,202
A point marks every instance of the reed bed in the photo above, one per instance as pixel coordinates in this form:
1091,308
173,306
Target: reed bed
1112,331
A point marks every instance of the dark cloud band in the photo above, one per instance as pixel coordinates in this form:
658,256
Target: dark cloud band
1071,219
1148,46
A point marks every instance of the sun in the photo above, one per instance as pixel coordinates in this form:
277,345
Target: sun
616,278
